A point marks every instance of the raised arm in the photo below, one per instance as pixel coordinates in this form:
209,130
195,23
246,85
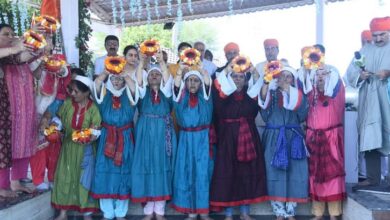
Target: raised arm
163,66
140,69
99,81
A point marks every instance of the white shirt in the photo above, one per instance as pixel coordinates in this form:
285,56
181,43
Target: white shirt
209,66
99,65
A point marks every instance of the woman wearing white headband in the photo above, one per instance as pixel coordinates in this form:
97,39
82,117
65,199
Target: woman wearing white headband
116,100
194,164
284,107
154,153
73,176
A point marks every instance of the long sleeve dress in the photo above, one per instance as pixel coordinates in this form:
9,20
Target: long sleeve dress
115,147
285,153
71,187
194,164
155,147
239,174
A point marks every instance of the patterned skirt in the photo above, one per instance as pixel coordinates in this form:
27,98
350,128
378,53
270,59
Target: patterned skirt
5,126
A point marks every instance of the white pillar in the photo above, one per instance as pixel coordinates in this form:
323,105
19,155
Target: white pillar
319,21
70,29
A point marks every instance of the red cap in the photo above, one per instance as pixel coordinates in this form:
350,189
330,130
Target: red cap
231,46
271,42
380,24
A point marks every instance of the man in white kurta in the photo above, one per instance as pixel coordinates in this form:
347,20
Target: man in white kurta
111,43
374,108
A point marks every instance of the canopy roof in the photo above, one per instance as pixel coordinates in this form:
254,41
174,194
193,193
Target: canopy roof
200,9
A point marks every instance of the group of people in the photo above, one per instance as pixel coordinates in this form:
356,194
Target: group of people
187,134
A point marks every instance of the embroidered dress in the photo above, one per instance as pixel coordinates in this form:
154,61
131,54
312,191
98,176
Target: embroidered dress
5,126
69,192
194,163
155,147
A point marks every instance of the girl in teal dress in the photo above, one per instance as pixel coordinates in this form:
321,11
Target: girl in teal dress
193,166
155,139
116,101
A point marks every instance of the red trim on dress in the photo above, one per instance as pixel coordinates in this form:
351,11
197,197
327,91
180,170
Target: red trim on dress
241,202
190,211
74,208
110,196
219,89
331,198
151,199
79,124
284,199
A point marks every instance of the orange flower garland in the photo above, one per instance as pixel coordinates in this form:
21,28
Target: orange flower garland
52,134
49,23
190,56
115,65
54,63
34,39
149,47
241,64
313,58
82,136
272,70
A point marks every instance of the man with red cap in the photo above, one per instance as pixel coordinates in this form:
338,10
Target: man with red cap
231,50
373,120
366,37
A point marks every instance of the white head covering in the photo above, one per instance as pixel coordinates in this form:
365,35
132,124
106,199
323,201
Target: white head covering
293,72
154,67
193,73
110,87
85,80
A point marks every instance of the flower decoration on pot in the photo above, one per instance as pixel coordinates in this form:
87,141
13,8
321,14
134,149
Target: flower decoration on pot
241,64
34,39
272,70
190,56
150,47
115,64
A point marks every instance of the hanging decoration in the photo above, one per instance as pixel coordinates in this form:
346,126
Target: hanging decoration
139,6
189,2
23,16
169,5
113,11
231,7
132,7
15,17
156,9
122,13
5,17
148,14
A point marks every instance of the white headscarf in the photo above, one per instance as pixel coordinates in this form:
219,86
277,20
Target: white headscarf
293,72
110,87
193,73
85,80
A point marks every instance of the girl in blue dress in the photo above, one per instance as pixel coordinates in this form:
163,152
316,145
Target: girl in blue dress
194,164
116,100
155,140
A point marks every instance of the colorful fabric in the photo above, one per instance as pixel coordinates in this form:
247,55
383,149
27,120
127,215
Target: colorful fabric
68,192
18,171
283,209
325,140
152,168
20,86
235,182
282,183
112,179
193,165
45,159
5,127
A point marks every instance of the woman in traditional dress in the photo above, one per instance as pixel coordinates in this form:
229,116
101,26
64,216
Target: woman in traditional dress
73,177
239,174
116,101
194,163
325,139
284,107
17,105
154,153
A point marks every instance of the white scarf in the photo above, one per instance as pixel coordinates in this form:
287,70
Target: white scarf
110,87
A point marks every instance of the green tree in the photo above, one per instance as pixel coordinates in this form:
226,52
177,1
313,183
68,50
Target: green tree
198,30
136,35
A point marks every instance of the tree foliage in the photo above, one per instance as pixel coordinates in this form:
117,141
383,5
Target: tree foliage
136,35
